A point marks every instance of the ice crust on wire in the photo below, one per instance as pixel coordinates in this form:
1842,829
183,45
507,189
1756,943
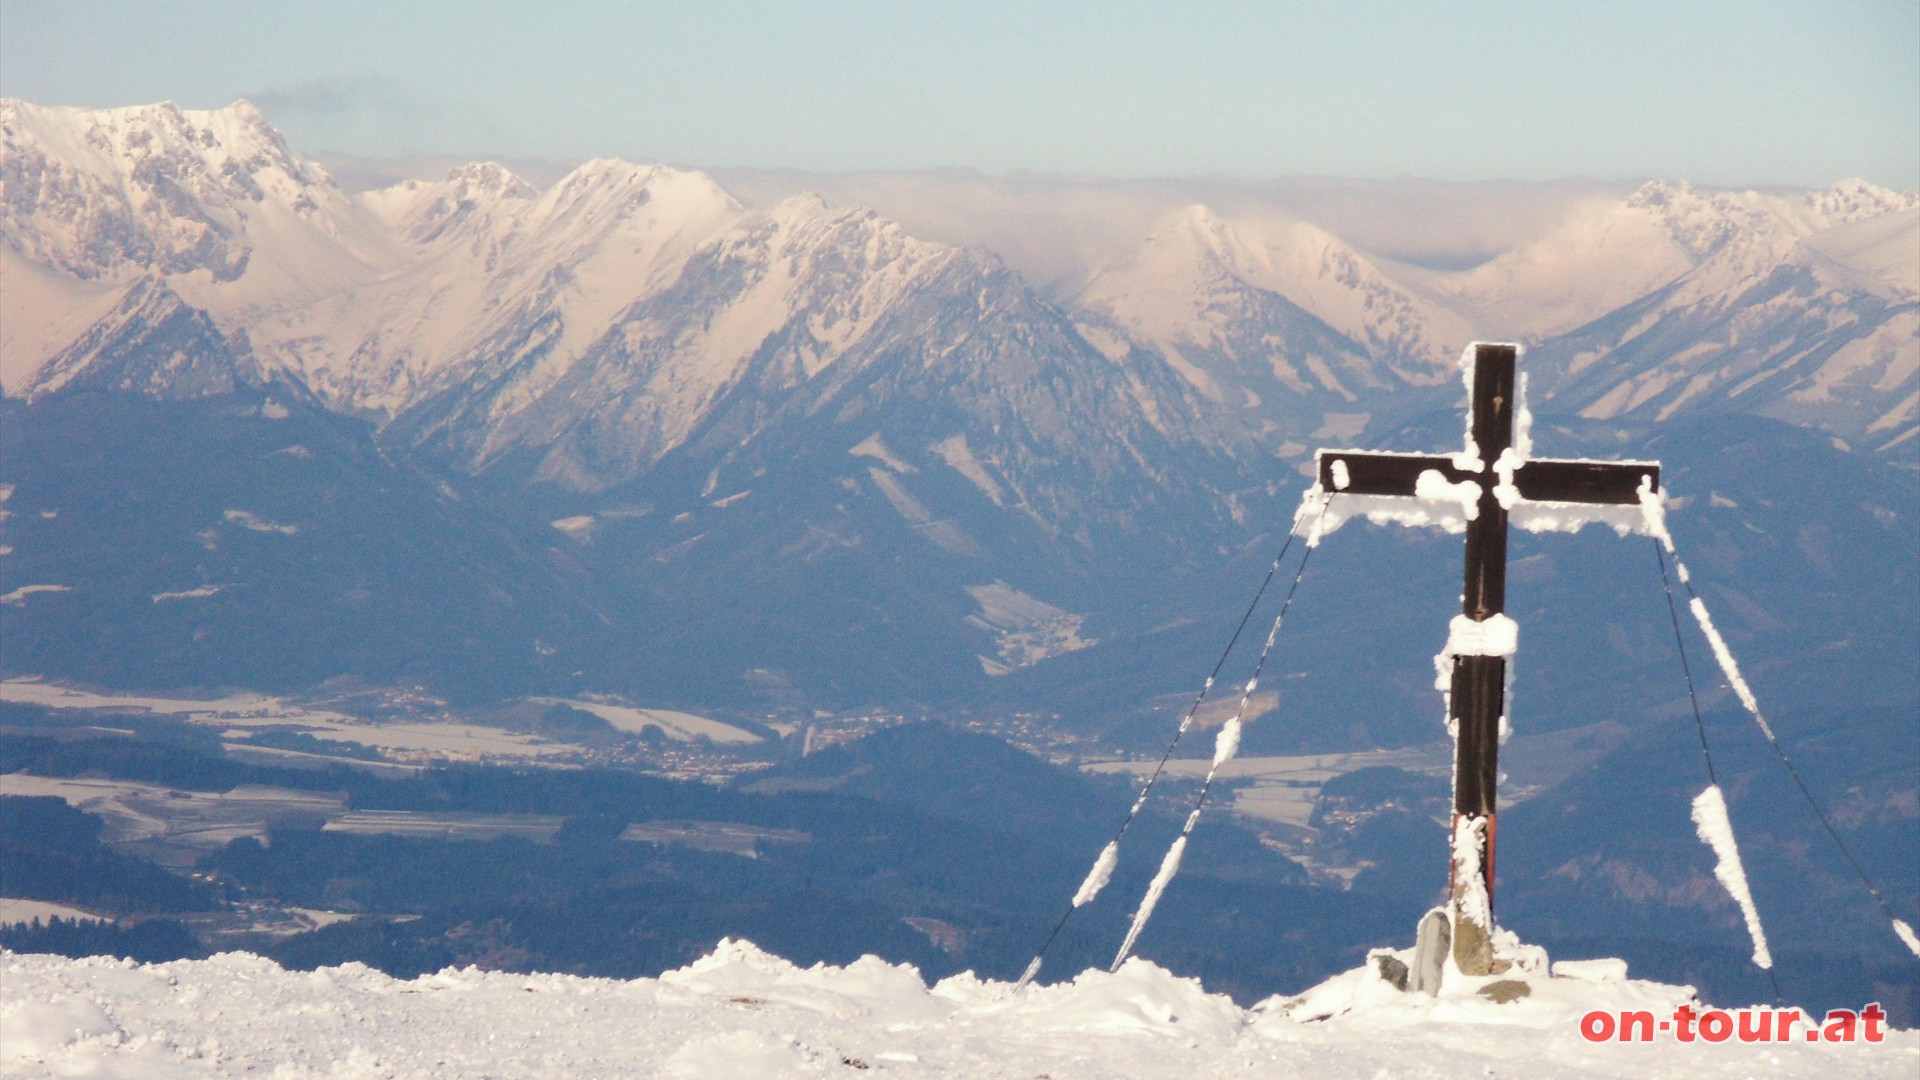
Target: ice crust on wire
1710,806
1727,666
1227,743
1101,872
1710,819
1169,866
1099,875
1225,746
1654,514
1315,524
1907,936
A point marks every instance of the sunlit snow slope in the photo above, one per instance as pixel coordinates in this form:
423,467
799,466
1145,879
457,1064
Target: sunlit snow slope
644,302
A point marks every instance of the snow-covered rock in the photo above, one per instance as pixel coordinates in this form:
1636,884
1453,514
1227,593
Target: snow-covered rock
744,1014
1277,317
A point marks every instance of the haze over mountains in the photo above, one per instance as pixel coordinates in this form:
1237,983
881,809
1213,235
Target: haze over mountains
885,446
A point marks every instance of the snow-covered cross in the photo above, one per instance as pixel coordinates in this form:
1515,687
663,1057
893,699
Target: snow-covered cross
1493,475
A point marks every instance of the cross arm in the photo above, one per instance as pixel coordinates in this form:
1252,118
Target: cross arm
1606,482
1357,472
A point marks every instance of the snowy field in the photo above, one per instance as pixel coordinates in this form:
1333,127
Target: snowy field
1284,788
237,713
14,911
677,725
741,1014
233,709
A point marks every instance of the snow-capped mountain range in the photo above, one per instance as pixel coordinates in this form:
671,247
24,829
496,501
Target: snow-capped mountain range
627,311
775,402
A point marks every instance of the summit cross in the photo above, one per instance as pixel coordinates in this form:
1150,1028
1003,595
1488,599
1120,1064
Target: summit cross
1489,478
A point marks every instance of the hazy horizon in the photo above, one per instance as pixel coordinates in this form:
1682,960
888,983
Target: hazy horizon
1785,94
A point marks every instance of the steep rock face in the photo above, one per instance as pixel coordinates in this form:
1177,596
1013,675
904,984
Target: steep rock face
152,343
1803,309
914,471
212,203
470,207
1671,301
1280,320
807,324
114,193
487,258
142,189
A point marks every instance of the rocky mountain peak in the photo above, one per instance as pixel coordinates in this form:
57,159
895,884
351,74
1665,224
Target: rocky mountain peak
112,193
1857,200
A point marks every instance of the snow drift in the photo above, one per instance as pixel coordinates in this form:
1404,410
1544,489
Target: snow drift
744,1014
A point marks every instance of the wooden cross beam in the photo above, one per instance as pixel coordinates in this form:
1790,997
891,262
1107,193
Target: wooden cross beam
1504,477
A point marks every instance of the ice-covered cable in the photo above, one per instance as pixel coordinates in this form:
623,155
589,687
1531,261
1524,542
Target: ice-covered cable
1731,857
1225,746
1169,866
1654,514
1101,873
1686,669
1102,870
1716,831
1906,935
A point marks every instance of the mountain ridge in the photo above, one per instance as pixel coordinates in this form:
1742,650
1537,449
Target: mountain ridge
812,413
386,299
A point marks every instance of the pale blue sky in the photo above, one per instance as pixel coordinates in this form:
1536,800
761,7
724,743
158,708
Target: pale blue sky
1742,93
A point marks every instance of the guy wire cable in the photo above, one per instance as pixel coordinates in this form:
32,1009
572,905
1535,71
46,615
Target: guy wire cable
1109,854
1227,745
1699,723
1725,657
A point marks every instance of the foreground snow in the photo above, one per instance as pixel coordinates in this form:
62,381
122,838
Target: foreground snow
743,1014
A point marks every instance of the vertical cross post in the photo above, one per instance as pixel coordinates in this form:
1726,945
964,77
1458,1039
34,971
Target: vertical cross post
1478,696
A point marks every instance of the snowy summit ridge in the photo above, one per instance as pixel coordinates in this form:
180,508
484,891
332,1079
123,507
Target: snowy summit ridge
744,1014
98,194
